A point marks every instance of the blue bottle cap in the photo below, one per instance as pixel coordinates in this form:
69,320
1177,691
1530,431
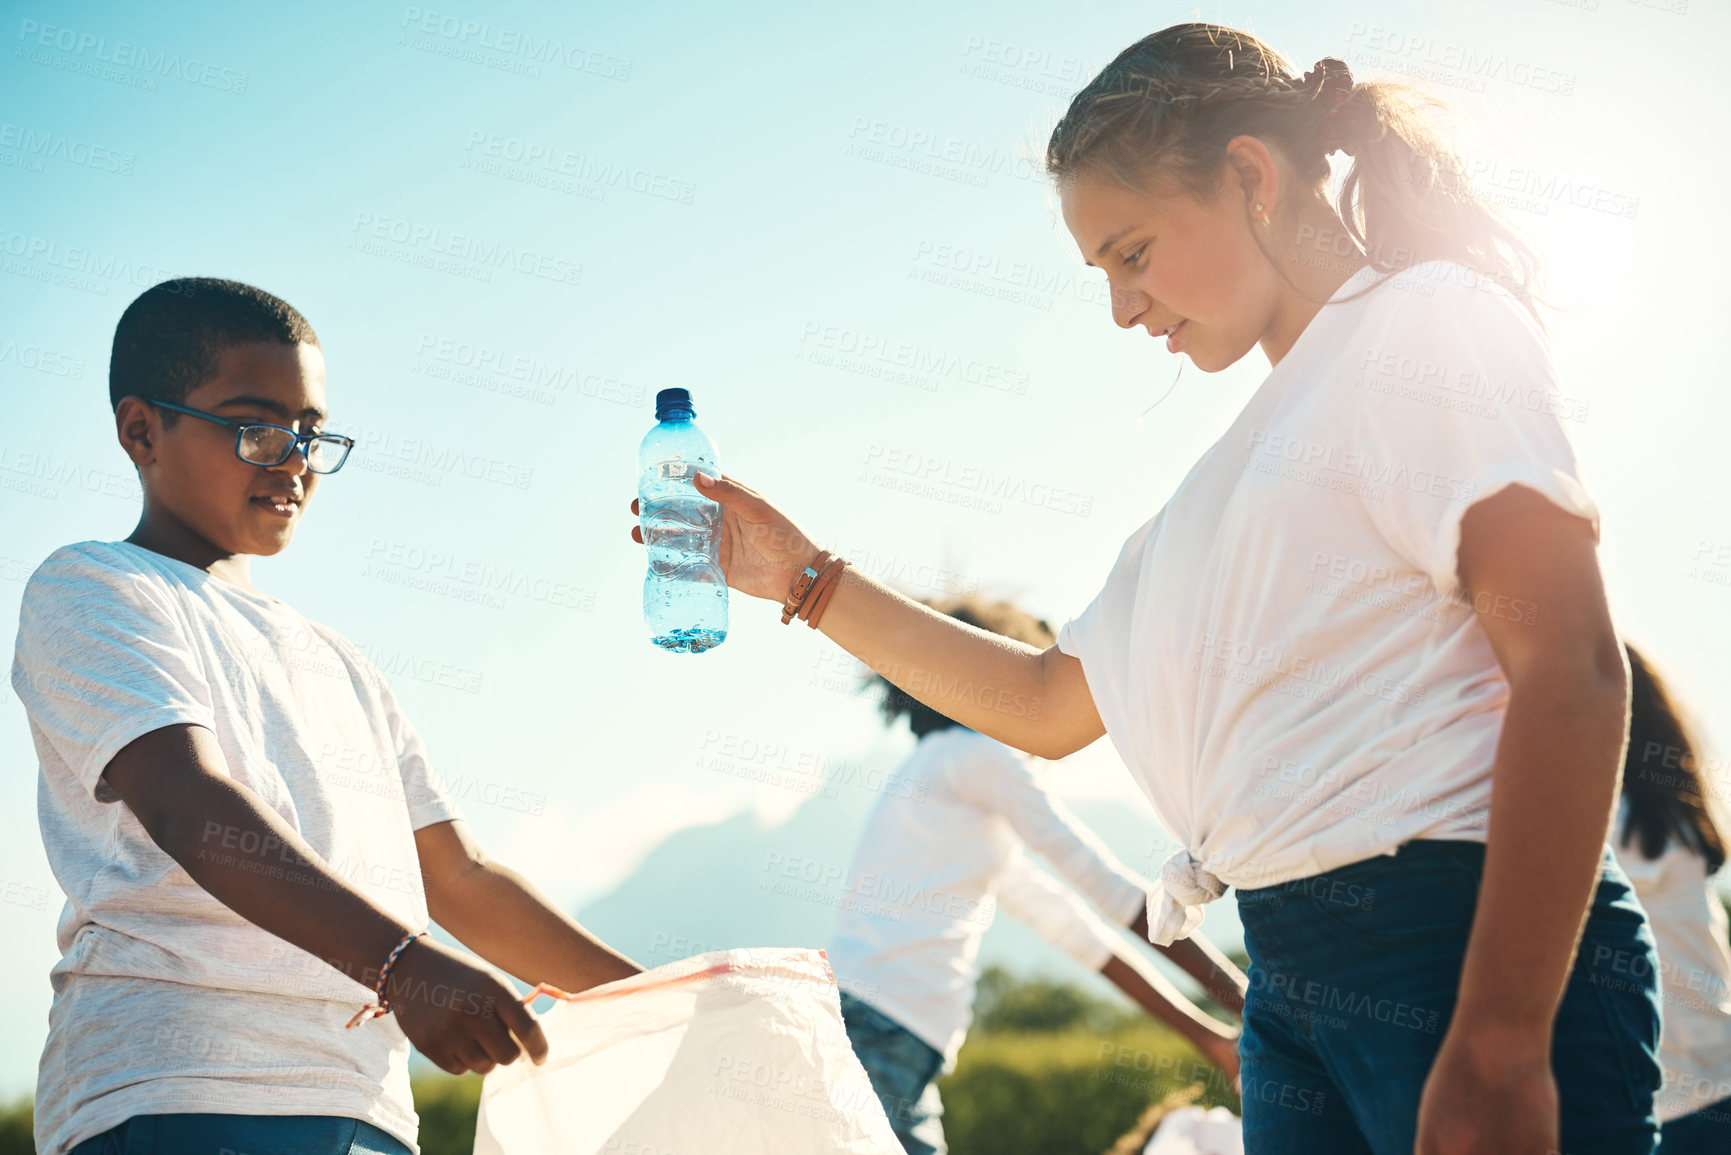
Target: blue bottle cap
671,401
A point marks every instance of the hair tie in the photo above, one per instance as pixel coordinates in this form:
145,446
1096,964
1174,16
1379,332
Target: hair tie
1333,81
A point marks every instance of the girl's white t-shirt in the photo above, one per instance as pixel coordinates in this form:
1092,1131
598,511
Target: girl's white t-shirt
1284,656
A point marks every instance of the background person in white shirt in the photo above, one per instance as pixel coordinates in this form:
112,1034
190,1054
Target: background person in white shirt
1670,841
1369,619
938,858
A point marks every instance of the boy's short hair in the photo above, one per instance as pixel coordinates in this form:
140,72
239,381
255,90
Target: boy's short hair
169,340
1000,617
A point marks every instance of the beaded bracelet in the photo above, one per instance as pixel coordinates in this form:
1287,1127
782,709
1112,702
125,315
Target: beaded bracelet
380,1005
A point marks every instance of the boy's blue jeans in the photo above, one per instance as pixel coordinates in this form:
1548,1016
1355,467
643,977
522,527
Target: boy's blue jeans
1353,978
242,1135
902,1067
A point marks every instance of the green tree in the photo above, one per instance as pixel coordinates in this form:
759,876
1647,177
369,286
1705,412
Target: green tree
1003,1002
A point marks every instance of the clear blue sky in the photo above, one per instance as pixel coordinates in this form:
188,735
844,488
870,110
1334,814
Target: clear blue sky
741,199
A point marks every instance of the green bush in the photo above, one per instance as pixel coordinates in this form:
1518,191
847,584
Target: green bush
1052,1069
447,1105
1062,1092
16,1136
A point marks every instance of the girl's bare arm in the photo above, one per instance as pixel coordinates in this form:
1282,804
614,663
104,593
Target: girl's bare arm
1553,787
1034,700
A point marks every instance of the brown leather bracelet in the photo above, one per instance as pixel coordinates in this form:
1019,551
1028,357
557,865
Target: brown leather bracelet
822,599
802,586
825,574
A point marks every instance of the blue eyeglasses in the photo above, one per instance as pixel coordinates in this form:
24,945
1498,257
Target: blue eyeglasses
259,444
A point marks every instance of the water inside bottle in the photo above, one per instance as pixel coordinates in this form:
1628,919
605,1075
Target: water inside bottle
684,582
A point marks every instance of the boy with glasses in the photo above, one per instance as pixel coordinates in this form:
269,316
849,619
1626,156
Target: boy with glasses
234,892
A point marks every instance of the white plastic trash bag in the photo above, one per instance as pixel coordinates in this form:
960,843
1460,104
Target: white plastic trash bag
1193,1131
736,1052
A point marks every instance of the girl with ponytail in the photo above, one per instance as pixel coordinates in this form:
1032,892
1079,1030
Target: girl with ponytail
1670,841
1361,662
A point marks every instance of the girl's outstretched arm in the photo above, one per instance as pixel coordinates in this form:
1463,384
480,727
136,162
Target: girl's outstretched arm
1034,700
1554,785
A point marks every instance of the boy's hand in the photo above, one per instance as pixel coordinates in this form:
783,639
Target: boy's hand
463,1017
762,550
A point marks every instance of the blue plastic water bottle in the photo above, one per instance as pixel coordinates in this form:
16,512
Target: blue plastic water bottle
685,592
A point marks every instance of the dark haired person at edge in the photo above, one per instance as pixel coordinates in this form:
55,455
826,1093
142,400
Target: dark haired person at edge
954,832
1670,846
1363,650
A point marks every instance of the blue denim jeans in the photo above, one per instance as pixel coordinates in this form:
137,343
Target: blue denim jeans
902,1068
1703,1132
1353,979
242,1135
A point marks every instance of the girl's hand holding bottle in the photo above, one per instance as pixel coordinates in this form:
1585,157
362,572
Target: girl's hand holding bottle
762,550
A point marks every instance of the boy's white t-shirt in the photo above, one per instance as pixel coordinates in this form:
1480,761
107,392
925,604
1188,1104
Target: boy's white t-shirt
1283,655
165,1000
